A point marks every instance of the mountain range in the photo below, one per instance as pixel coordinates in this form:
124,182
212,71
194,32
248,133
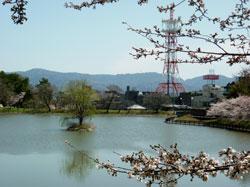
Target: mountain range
139,81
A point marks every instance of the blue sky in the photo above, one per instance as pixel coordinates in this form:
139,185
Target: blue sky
91,41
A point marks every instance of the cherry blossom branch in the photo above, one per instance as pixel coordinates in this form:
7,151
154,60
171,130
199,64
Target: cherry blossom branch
154,36
238,19
94,3
18,10
170,162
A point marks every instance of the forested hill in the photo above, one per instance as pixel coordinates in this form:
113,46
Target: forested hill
139,81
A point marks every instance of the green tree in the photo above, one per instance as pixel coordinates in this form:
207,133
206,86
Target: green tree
44,92
12,85
5,94
154,101
80,99
17,82
241,86
60,99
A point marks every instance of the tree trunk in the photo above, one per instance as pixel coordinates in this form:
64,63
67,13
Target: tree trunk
80,120
157,110
48,107
109,104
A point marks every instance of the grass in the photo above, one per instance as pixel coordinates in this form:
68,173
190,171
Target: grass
86,127
242,125
245,124
187,118
98,111
14,110
27,110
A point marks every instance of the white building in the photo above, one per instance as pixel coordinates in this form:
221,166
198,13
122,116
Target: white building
210,93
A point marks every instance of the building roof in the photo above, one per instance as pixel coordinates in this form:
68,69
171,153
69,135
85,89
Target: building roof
136,107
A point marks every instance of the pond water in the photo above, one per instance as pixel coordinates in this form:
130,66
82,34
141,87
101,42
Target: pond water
33,152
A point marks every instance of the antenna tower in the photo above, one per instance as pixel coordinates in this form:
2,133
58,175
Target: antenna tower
211,77
170,73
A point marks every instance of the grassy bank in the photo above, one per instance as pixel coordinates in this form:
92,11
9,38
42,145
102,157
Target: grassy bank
99,111
27,110
230,124
239,125
187,118
133,112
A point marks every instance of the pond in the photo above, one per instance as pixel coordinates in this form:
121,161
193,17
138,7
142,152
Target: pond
33,152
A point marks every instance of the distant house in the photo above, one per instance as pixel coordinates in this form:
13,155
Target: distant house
136,96
184,99
133,95
210,93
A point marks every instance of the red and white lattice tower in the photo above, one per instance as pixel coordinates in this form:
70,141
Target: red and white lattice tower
171,86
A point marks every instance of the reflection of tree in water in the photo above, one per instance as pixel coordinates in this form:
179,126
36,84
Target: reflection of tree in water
77,164
167,181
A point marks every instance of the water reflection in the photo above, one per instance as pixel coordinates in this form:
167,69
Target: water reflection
36,144
245,181
77,165
169,181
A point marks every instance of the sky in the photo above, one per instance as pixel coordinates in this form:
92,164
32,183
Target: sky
92,41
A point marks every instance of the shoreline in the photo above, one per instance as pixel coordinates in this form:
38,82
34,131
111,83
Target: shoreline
236,125
98,112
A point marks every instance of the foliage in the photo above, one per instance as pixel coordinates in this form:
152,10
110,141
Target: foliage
236,108
15,89
241,86
60,100
6,93
44,92
80,99
15,82
154,101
